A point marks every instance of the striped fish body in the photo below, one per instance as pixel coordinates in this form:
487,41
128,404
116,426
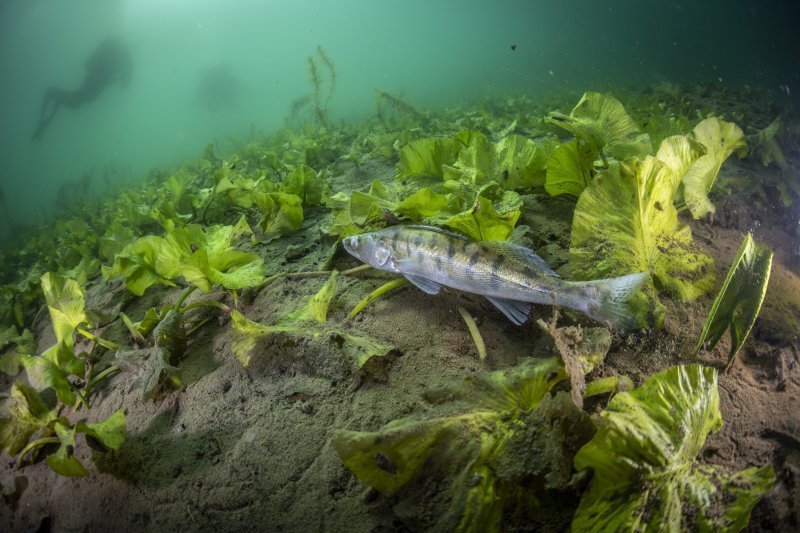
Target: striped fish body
510,276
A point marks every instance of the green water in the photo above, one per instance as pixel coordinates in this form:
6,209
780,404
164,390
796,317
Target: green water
432,53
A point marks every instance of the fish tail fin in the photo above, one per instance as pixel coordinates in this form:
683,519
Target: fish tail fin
610,304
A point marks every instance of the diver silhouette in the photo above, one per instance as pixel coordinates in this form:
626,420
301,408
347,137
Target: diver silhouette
109,63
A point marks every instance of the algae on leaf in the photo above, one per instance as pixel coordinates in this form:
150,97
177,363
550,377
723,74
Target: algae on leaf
644,458
625,222
602,122
739,300
720,139
23,414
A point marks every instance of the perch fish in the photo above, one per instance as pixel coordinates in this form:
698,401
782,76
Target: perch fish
510,276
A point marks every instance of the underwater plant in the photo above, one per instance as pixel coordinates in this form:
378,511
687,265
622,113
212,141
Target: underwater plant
739,300
204,257
625,222
644,459
306,327
499,443
319,96
72,378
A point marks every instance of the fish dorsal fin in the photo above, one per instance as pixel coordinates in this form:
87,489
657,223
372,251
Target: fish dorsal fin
439,230
516,311
427,285
520,253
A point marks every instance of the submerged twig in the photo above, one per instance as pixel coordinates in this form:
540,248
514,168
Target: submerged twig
474,331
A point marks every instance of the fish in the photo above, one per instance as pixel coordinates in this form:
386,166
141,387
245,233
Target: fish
510,276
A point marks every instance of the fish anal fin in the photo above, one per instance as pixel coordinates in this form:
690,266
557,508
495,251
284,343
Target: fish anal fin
515,310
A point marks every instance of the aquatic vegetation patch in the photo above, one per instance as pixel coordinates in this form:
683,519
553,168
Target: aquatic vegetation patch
305,327
644,459
204,257
739,300
625,222
499,438
719,139
26,414
601,122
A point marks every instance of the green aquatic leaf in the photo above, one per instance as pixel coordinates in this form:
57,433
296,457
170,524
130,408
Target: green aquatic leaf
720,139
53,368
625,222
282,213
570,168
66,303
425,157
316,308
116,237
142,265
422,204
765,147
23,414
513,162
644,458
602,122
11,361
63,461
739,300
483,223
493,423
306,183
358,351
106,435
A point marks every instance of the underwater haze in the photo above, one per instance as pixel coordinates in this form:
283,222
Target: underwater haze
360,265
209,71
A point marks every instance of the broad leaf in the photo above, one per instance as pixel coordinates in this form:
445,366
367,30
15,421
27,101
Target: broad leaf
65,301
282,213
425,157
63,462
23,414
644,458
570,168
720,139
739,300
483,223
625,222
306,183
139,263
109,434
602,122
316,308
514,162
483,440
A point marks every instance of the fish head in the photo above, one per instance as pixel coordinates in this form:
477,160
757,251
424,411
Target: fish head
371,249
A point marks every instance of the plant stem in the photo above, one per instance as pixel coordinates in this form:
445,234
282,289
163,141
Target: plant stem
102,342
96,379
206,303
179,303
36,444
137,336
197,326
374,295
474,331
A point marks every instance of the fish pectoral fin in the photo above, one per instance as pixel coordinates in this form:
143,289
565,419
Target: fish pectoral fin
516,311
427,285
